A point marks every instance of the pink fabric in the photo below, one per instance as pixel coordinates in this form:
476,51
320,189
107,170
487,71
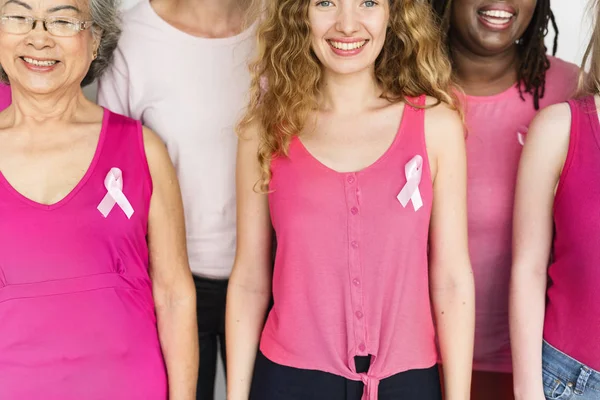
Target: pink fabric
572,322
5,96
495,125
351,270
76,304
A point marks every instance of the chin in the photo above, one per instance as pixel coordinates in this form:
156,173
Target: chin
348,68
39,86
493,47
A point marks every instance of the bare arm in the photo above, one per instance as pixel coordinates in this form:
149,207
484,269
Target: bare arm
539,171
172,284
451,277
249,289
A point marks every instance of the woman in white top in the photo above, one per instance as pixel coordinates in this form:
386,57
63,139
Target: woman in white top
181,68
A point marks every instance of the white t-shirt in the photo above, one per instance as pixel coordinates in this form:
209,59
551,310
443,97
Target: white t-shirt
191,91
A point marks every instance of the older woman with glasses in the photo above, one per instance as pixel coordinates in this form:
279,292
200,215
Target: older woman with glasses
96,296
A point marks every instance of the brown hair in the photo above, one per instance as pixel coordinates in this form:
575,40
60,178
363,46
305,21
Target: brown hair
287,75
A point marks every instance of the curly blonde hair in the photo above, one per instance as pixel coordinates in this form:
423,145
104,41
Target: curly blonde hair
286,75
589,83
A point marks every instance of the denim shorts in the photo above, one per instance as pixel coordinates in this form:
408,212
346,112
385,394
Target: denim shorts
566,378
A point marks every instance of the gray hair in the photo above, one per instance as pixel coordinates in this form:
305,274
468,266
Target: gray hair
107,23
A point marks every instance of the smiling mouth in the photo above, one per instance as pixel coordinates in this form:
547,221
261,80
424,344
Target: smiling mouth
497,17
347,46
39,63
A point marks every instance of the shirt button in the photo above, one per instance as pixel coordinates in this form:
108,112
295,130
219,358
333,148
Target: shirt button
354,244
354,210
356,282
359,315
362,347
351,179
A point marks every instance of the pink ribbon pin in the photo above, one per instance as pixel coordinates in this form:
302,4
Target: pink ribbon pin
114,186
410,192
521,134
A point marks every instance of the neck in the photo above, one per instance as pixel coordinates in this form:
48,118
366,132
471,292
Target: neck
35,109
485,75
210,18
220,9
349,94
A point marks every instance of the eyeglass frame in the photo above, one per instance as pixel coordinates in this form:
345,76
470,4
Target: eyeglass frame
81,25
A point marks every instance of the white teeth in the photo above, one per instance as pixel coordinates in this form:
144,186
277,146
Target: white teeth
497,14
347,46
39,63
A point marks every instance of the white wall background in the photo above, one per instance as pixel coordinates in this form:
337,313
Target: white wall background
574,25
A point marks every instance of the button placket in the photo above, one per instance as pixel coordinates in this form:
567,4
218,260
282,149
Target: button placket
354,265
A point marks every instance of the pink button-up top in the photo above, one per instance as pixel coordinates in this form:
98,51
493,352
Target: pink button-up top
351,271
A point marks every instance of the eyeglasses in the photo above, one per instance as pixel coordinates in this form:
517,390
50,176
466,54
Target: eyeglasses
56,26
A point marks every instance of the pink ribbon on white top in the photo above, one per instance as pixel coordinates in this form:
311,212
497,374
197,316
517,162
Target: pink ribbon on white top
413,171
114,185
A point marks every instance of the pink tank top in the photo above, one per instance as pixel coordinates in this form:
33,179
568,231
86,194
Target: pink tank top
572,322
76,304
351,269
497,127
5,96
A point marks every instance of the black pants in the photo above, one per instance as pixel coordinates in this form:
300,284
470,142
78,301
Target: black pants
277,382
210,306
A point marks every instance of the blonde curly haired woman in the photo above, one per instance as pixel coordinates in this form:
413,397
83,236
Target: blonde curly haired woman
354,156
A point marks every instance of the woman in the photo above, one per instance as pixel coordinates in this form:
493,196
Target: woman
90,309
499,60
202,48
363,172
555,310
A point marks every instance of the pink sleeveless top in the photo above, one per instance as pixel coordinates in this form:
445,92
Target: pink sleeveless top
76,304
351,269
5,96
572,322
497,127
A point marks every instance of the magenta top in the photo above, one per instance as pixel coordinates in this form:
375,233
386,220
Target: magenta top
5,96
351,270
76,306
497,127
572,322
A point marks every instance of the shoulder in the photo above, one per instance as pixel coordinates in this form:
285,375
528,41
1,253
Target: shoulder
552,123
556,113
561,80
560,67
153,145
442,122
137,22
444,135
122,121
137,13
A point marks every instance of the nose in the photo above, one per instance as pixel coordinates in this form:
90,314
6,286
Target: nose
347,20
39,37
